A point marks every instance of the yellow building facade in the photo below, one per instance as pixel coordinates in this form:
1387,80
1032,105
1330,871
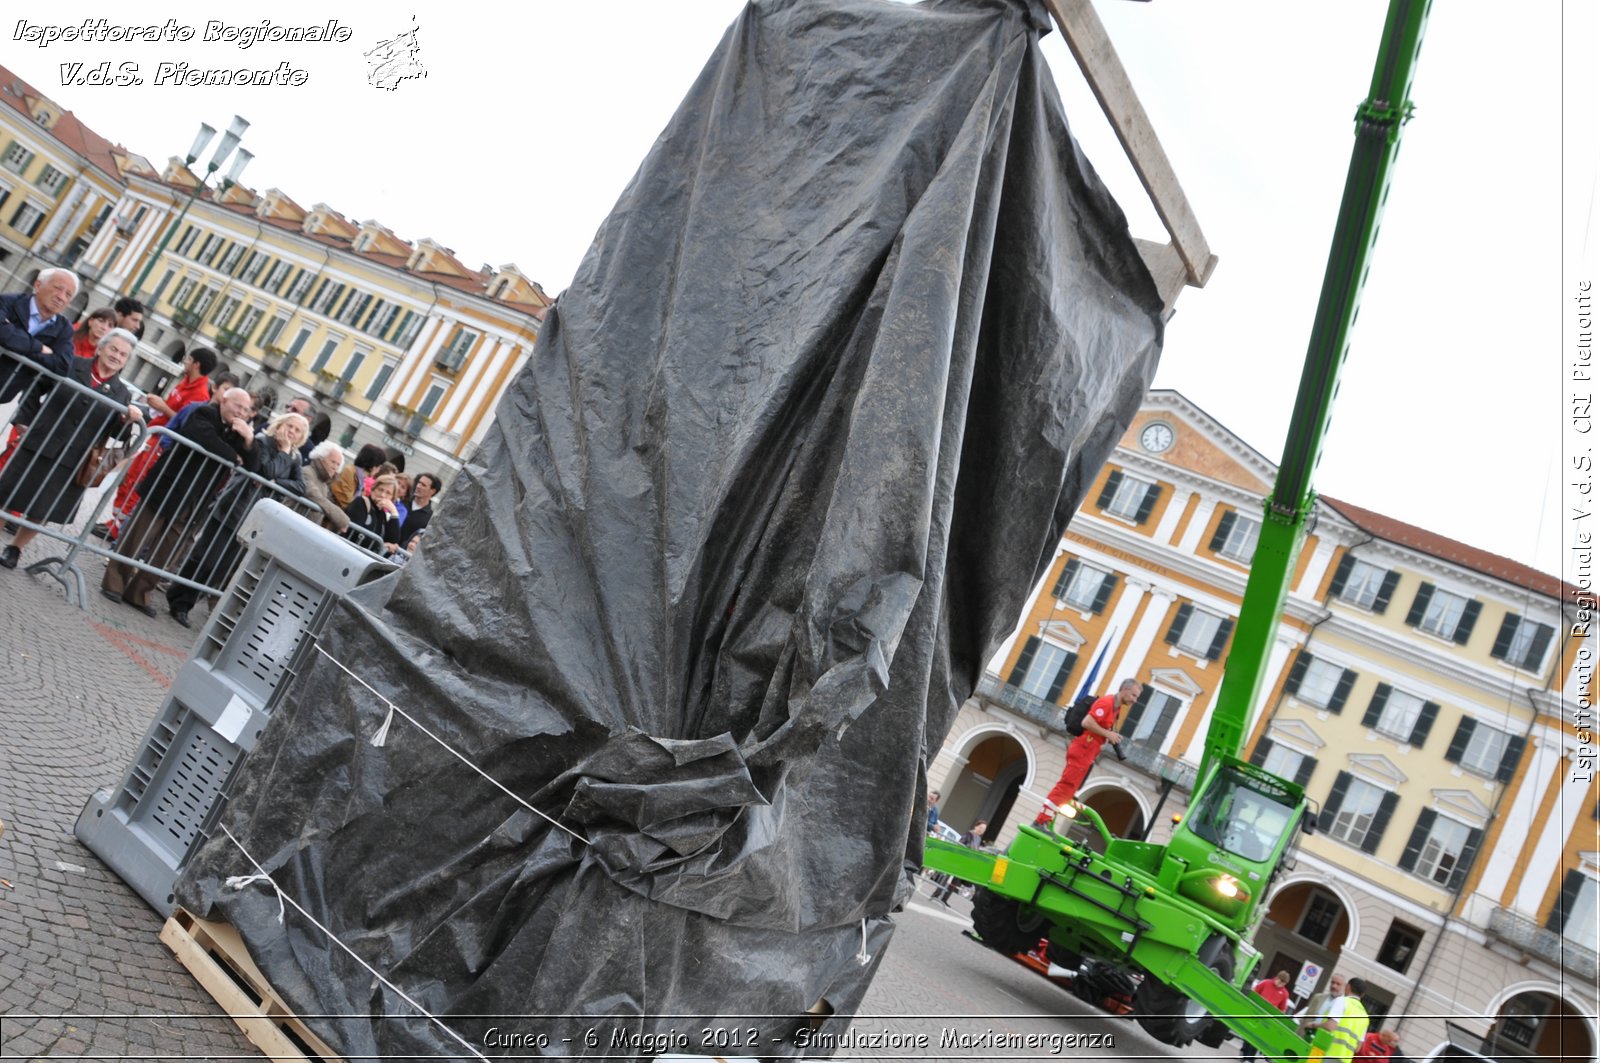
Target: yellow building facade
59,183
400,342
1424,692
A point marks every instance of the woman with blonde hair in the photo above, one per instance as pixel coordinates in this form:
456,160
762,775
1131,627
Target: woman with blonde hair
376,512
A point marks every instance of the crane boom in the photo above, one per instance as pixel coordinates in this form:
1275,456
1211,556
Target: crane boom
1379,121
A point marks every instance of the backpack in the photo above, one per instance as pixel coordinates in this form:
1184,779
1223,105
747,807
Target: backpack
1073,719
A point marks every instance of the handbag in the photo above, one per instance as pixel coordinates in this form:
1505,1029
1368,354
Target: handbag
97,465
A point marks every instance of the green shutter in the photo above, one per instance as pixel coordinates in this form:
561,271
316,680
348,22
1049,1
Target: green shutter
1502,639
1571,886
1380,822
1380,604
1341,690
1341,575
1224,629
1179,622
1063,581
1419,604
1062,674
1460,740
1330,807
1424,724
1103,595
1469,853
1510,759
1148,504
1469,617
1419,838
1109,491
1303,775
1258,756
1020,671
1224,526
1380,698
1536,648
1297,671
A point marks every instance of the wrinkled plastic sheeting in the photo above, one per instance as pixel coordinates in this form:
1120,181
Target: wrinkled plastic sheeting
774,485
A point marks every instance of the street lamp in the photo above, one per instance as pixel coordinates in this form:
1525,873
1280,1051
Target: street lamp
241,158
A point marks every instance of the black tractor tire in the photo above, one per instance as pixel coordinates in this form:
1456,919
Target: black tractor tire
1213,1033
1006,925
1168,1015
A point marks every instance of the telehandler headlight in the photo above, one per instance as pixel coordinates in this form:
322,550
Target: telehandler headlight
1228,886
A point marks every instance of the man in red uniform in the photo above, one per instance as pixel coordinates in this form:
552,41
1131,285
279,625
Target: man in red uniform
1274,991
1099,727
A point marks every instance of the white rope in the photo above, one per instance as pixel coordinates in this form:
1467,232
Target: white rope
262,876
861,957
239,882
383,733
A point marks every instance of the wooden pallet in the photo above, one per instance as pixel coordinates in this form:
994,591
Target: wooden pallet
215,955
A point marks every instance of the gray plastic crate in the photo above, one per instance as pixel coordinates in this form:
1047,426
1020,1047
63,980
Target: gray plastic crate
258,639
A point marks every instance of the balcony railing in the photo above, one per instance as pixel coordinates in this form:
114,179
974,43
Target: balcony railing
1026,705
1048,714
1535,940
186,319
229,340
405,421
330,387
277,361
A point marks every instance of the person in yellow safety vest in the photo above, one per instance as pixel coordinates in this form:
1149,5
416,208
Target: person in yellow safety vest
1345,1018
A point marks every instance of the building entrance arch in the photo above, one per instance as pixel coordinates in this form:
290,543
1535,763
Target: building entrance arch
1307,921
996,764
1536,1022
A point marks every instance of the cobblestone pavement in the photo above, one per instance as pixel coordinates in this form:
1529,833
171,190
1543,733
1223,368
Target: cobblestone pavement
82,971
84,974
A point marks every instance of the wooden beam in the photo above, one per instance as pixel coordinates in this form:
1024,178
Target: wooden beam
1108,79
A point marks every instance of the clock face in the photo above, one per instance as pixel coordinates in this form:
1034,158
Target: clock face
1156,437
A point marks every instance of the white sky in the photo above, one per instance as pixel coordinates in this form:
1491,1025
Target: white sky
1451,413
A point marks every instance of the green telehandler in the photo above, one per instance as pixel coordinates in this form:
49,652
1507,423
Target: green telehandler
1183,912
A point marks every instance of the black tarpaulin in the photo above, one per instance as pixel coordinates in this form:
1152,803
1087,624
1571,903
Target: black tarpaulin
774,485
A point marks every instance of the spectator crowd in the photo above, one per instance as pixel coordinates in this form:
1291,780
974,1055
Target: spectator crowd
182,497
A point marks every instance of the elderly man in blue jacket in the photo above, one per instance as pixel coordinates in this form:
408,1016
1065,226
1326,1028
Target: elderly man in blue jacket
32,324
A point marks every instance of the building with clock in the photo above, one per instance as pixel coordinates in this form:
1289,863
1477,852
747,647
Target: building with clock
1423,691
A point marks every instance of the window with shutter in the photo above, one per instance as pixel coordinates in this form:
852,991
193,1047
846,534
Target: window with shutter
1398,715
1155,719
1449,616
1363,584
1574,915
1042,671
1084,590
1238,541
1199,632
1355,814
1443,847
1522,642
1128,497
1284,762
1483,749
1318,684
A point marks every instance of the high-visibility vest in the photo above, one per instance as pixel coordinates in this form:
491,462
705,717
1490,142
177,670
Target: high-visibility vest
1349,1028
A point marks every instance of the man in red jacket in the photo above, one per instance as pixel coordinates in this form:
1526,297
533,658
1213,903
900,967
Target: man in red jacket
1274,991
1099,727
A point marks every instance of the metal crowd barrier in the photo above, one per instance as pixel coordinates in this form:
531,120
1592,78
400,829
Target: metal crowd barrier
183,530
256,643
